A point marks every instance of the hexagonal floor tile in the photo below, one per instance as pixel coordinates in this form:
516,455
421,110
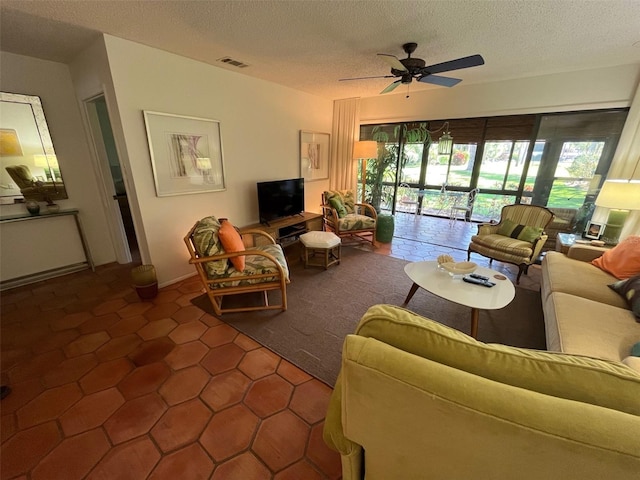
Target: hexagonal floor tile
222,358
164,310
74,457
310,400
181,425
188,313
327,460
134,459
127,326
152,351
70,370
219,335
281,440
191,462
143,380
299,470
49,405
86,344
135,418
118,347
292,373
245,466
106,375
268,395
26,448
157,328
259,363
225,390
184,385
188,332
187,354
90,412
229,432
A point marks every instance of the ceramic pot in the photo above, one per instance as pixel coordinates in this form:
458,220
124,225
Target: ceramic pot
145,282
33,207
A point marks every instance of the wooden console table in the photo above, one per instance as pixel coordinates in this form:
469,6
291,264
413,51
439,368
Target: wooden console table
37,247
287,231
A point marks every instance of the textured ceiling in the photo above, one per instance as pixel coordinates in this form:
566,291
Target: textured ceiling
309,45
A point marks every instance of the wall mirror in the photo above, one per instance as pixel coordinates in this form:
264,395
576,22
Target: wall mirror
29,166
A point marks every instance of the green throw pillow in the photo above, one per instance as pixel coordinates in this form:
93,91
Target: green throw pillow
337,204
509,228
635,350
630,290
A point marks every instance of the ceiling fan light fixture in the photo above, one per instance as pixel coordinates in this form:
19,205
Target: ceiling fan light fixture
445,142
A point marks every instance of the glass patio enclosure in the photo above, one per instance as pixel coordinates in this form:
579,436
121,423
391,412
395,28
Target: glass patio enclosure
556,160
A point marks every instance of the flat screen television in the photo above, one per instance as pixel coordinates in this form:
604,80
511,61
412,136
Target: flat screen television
280,198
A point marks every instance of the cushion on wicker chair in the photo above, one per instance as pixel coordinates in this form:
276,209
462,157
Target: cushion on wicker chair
256,264
354,221
207,242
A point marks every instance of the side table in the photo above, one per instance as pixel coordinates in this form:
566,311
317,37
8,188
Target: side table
564,241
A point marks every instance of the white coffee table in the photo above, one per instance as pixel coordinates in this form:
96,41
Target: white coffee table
427,275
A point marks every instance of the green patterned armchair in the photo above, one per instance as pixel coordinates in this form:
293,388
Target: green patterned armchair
265,266
517,239
346,218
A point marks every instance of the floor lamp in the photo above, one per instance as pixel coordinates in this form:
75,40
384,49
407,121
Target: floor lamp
364,150
620,196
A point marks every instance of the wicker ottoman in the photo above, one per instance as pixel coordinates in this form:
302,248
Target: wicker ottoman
321,249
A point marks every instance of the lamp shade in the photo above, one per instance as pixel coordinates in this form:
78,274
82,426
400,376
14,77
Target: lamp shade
46,161
365,149
445,144
620,194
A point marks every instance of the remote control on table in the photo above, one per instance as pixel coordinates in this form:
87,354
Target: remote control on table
479,277
484,283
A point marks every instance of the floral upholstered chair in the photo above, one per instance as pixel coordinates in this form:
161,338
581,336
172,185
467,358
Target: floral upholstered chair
251,262
518,238
346,218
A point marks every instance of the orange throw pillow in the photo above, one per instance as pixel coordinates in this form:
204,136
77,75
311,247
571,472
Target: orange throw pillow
232,242
623,260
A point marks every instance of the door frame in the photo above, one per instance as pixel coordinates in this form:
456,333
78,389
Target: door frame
106,186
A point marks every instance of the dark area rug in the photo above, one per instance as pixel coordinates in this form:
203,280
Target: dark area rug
324,306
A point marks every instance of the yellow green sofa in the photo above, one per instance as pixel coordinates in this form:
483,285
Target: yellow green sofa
418,400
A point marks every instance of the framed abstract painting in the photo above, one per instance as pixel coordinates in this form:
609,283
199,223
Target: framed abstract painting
314,155
186,154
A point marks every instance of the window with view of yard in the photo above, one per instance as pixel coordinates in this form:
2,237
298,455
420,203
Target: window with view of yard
556,160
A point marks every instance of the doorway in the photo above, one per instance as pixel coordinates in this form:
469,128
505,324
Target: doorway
122,228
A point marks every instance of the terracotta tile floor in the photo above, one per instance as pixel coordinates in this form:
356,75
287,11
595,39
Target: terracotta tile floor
106,386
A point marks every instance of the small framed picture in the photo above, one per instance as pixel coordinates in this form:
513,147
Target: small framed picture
594,230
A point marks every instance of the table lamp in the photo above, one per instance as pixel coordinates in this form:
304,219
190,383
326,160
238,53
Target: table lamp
364,150
620,196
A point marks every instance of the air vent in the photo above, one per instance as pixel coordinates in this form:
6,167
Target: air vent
231,61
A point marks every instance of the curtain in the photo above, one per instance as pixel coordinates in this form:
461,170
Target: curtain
626,163
345,131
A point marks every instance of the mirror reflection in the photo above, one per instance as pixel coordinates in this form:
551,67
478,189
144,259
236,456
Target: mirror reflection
30,169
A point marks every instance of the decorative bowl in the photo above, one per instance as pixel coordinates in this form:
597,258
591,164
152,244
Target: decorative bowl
459,268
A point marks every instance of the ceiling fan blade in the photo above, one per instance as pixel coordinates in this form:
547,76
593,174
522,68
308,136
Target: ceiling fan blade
439,80
464,62
393,62
391,86
365,78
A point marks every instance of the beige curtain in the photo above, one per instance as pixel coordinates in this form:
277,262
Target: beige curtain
626,164
346,126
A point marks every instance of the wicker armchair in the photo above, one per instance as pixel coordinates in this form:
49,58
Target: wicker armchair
265,266
517,239
346,218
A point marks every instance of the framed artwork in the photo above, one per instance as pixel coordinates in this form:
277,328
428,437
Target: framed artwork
594,230
314,155
186,154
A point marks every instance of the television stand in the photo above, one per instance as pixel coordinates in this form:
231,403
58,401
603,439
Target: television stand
287,231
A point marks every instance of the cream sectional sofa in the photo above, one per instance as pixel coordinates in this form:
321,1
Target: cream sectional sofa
582,315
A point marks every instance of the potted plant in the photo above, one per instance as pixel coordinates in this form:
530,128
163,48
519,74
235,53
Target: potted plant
145,282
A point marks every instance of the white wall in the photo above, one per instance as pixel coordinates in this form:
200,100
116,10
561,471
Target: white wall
51,81
260,125
590,89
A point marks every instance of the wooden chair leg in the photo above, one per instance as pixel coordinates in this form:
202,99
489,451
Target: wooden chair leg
522,268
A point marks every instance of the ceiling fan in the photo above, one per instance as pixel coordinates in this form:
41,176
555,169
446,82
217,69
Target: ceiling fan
409,68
